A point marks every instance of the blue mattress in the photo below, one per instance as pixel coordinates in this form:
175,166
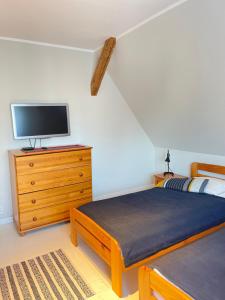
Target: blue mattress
198,269
146,222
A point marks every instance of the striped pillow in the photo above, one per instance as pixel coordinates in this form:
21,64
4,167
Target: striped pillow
207,185
203,185
177,184
198,184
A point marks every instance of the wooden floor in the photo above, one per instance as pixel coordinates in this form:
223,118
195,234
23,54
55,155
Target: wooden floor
15,248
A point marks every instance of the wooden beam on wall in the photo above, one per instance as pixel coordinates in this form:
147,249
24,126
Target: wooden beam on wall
102,65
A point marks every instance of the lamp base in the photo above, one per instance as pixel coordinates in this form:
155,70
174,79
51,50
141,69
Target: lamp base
168,173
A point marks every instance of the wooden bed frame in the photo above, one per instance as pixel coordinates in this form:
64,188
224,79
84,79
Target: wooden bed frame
150,281
108,248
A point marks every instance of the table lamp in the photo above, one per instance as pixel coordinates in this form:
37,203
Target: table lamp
167,160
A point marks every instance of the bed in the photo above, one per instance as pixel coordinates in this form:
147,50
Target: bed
196,271
131,230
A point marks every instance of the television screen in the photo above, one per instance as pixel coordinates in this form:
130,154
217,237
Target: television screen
40,120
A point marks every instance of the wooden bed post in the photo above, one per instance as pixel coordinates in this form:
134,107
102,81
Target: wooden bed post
194,169
73,232
145,292
116,268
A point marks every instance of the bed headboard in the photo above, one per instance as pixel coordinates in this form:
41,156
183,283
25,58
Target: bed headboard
214,169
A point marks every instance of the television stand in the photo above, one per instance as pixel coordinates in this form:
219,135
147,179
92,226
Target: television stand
27,149
47,183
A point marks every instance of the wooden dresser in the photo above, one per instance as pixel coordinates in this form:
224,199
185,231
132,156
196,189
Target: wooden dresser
47,183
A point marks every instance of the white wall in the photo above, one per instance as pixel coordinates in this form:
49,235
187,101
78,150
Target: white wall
181,160
123,156
171,72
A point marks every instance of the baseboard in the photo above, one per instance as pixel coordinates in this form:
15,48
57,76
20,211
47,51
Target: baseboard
6,220
101,197
123,192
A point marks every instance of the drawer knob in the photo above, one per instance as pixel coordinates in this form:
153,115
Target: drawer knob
31,164
81,191
32,182
33,201
34,219
81,158
81,174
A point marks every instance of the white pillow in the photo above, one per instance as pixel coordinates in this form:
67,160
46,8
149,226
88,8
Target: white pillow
214,186
197,185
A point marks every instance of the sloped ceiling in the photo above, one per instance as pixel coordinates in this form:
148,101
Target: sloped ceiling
171,71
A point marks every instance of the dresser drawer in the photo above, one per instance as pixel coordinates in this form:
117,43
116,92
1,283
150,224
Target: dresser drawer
54,161
36,200
58,178
48,215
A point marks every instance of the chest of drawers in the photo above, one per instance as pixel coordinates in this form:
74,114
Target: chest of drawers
46,184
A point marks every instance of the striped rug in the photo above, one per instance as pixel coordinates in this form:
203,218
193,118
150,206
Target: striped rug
50,276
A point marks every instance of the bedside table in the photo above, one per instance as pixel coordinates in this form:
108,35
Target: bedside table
160,177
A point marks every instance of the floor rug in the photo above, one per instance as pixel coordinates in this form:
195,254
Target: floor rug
50,276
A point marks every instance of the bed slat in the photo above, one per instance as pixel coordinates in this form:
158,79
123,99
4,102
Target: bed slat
97,246
215,169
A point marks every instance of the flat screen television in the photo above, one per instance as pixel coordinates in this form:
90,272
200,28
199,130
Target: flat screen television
40,120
